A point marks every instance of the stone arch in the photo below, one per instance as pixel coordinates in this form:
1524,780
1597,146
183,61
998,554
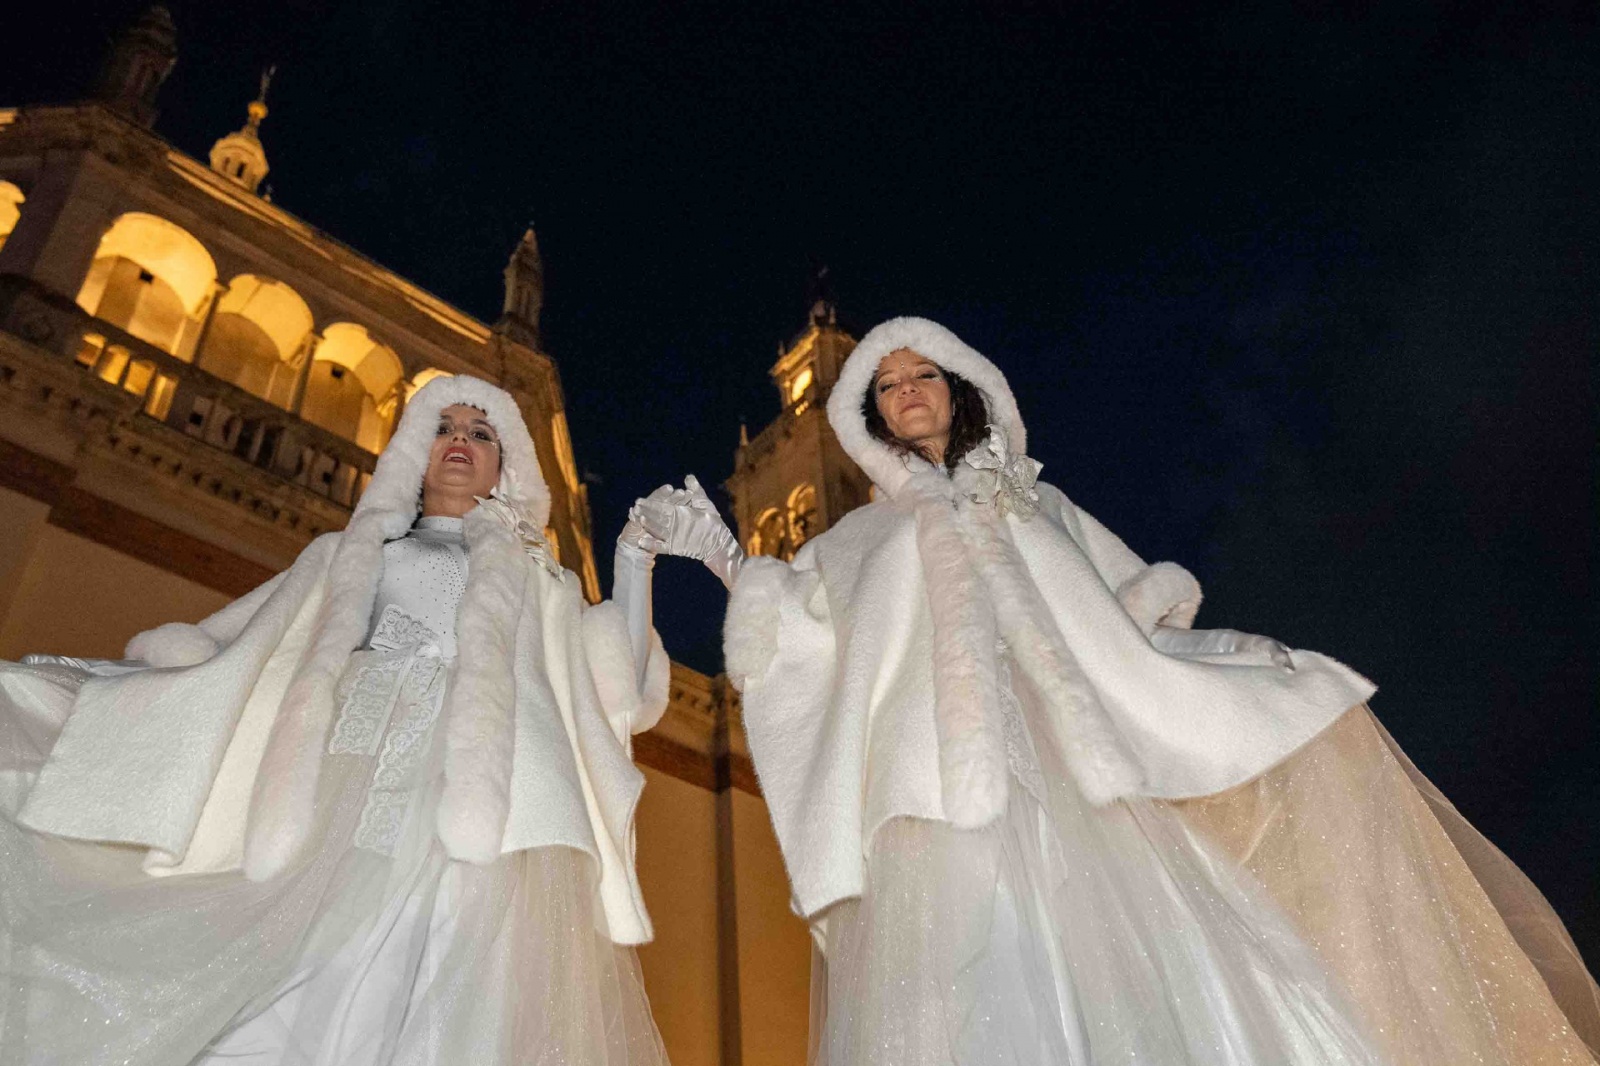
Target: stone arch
11,198
257,338
422,377
354,386
153,279
801,517
769,534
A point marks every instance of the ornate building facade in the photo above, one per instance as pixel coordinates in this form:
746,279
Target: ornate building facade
194,383
175,331
793,480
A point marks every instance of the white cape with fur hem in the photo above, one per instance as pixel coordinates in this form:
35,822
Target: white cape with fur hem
868,665
211,760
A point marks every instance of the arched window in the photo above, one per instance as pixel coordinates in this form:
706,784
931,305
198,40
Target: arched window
10,209
152,279
799,385
802,517
422,377
770,533
353,389
257,337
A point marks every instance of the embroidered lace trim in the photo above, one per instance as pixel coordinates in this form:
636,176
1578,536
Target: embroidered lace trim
388,709
368,701
396,629
394,782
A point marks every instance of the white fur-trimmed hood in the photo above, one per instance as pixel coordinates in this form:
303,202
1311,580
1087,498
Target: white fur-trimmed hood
888,469
397,480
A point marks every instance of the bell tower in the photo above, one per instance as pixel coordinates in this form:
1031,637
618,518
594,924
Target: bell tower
793,480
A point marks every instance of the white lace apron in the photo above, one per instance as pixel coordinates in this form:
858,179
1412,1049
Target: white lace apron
390,698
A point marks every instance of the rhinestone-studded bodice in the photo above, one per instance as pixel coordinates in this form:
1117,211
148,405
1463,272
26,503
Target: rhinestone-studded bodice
424,575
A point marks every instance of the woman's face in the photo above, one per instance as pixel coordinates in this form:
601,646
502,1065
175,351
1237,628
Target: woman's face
464,462
914,399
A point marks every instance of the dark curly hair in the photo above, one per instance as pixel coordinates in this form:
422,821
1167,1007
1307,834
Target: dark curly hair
969,421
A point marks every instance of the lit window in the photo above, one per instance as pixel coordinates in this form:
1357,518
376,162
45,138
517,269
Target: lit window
798,386
10,209
151,278
353,386
258,336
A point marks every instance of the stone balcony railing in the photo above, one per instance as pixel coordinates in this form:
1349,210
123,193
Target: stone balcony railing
186,399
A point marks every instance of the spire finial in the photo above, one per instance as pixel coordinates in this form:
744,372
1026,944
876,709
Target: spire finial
524,276
257,108
822,311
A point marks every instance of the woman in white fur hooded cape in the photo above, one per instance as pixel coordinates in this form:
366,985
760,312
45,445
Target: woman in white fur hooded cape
343,820
1033,818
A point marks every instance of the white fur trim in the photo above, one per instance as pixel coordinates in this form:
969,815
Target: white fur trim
966,690
480,726
397,480
888,469
750,629
608,649
1161,594
172,644
283,803
628,707
1101,765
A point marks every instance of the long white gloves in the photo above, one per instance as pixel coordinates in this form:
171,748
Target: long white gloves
685,522
631,585
1218,642
96,667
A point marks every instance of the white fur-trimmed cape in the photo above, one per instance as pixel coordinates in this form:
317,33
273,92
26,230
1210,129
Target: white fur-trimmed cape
212,762
869,664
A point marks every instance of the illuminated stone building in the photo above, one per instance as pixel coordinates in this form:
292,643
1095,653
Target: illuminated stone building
793,480
194,383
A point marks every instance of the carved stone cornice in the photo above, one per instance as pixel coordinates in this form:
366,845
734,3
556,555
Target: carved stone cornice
700,739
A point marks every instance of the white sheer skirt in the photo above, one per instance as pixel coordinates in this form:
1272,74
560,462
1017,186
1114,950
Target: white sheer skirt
375,948
1165,934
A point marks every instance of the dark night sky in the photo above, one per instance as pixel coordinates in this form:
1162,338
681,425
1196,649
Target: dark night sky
1299,295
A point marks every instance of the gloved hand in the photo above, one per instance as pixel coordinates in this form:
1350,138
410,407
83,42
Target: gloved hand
685,522
1219,642
630,581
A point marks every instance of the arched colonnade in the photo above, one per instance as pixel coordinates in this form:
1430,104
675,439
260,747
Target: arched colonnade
154,280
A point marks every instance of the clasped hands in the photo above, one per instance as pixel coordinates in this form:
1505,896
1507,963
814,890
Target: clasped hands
683,522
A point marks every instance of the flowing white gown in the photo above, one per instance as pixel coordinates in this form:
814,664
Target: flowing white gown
375,948
1067,934
1208,932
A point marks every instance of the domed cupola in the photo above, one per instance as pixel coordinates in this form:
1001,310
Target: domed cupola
239,156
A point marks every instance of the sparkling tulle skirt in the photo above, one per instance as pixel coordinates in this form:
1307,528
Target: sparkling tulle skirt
1319,916
375,949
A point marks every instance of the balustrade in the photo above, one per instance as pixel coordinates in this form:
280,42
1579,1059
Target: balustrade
191,401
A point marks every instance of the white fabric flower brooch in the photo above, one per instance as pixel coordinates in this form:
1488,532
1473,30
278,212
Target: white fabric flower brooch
998,477
508,506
